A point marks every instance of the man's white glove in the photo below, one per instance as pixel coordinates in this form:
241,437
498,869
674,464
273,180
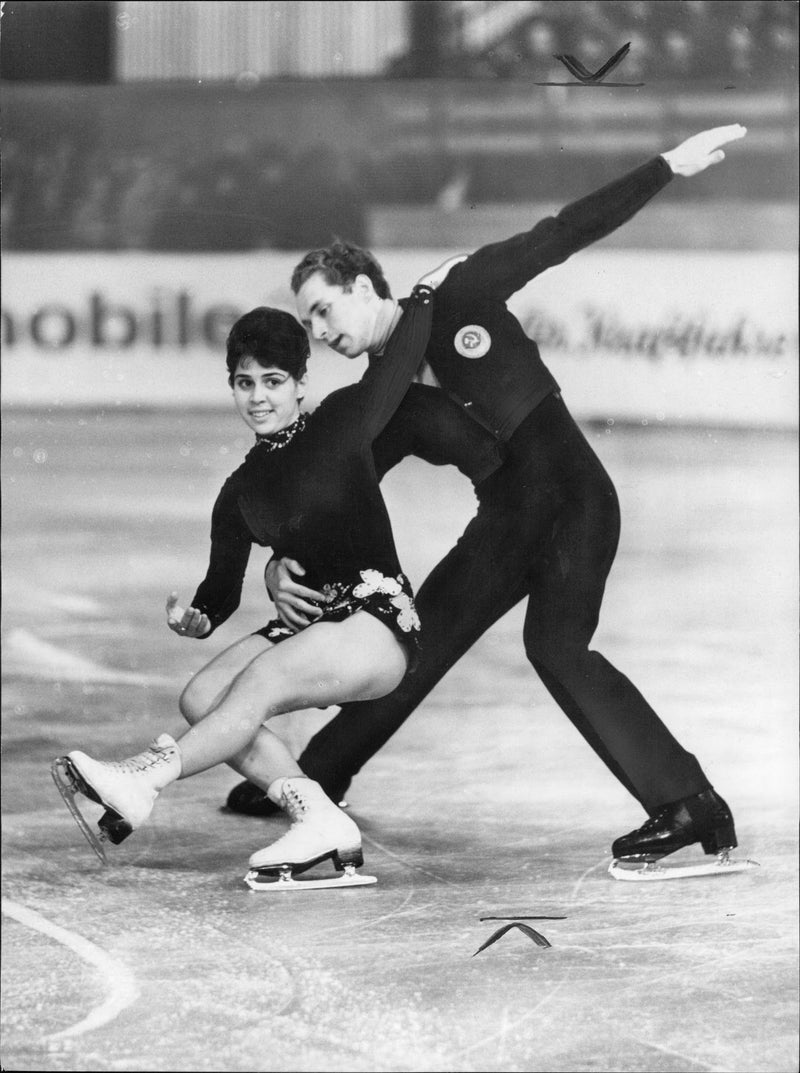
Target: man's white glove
702,150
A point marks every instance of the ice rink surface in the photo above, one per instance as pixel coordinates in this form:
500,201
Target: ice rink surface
486,803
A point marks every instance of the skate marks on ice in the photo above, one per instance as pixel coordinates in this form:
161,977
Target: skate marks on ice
122,988
511,1027
569,985
436,1008
27,655
668,935
692,1050
370,840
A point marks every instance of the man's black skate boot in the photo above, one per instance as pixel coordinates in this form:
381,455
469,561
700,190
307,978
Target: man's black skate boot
703,818
250,800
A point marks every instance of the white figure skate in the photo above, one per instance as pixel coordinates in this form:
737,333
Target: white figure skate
127,789
319,832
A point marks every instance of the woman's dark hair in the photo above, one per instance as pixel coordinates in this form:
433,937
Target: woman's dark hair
339,265
271,337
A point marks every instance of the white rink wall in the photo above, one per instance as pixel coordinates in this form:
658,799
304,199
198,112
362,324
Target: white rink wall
689,337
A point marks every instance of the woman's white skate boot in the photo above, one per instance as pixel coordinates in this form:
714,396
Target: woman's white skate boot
127,789
320,831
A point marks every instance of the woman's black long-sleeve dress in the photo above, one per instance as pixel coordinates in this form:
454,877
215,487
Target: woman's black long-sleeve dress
310,492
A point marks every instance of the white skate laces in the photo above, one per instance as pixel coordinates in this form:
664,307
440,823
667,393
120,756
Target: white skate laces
163,751
293,801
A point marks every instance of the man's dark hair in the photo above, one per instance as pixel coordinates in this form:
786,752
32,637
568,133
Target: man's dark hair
339,265
271,337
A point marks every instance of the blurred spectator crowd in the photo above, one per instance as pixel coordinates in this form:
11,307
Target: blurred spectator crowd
248,196
670,39
65,188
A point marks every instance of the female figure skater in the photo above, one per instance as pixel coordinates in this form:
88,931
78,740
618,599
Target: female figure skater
307,489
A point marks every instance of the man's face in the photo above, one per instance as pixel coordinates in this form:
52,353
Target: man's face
343,318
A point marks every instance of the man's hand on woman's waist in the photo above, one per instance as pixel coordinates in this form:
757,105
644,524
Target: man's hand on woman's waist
291,599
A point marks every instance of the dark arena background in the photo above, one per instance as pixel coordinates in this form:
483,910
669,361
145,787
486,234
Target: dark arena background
164,166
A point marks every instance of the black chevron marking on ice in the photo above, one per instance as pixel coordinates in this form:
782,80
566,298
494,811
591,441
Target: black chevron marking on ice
576,68
538,938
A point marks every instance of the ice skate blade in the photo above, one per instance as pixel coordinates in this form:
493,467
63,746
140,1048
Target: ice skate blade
262,882
659,871
68,784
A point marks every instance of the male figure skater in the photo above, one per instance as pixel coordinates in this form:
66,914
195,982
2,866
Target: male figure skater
547,526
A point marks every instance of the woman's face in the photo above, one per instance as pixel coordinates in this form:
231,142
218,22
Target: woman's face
268,399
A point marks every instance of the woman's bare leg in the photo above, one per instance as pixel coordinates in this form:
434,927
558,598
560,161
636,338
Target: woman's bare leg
206,689
327,663
267,756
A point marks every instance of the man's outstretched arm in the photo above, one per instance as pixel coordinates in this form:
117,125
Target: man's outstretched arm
500,269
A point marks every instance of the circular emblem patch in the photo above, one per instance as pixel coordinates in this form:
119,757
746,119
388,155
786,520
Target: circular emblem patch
472,341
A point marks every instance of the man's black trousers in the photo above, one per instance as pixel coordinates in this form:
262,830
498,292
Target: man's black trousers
547,529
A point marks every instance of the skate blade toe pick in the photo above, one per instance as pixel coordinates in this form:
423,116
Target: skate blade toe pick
113,828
